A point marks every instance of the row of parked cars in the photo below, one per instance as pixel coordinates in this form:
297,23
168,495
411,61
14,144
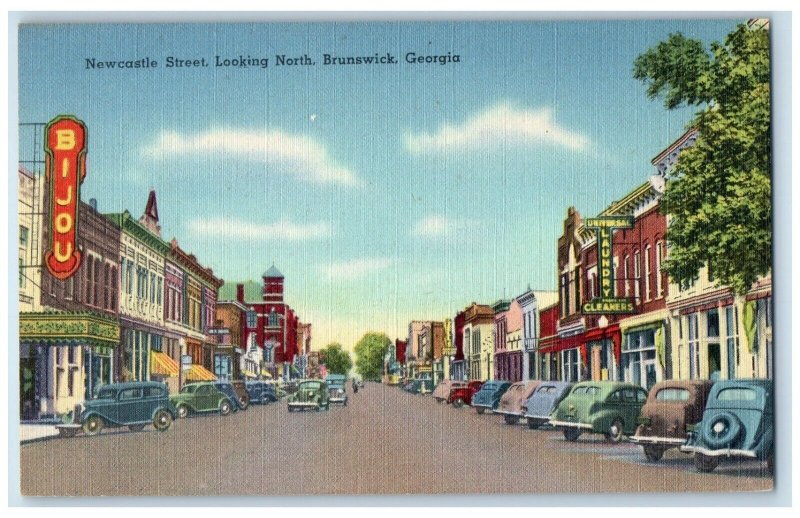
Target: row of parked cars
141,403
711,420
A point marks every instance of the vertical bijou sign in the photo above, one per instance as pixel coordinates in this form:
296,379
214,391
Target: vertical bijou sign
607,303
65,168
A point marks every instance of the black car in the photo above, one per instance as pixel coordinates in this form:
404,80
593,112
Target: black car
227,388
261,392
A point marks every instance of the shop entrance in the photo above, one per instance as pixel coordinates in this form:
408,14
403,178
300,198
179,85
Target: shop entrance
713,361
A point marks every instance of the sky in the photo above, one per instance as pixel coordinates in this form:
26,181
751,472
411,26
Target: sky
383,193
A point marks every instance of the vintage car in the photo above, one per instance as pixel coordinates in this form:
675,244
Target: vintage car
671,406
336,388
488,397
511,403
135,405
241,391
738,421
419,386
442,391
607,407
543,401
461,396
229,389
261,392
205,396
309,394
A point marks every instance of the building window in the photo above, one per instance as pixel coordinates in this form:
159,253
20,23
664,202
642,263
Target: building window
732,339
627,275
89,275
637,272
659,259
113,288
129,277
23,236
69,288
21,274
107,286
96,284
694,347
152,288
273,318
251,319
158,291
647,273
564,294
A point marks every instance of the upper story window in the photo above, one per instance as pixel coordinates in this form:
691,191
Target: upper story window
659,259
23,236
273,318
251,319
647,273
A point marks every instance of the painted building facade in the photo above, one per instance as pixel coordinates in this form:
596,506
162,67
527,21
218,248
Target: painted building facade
479,340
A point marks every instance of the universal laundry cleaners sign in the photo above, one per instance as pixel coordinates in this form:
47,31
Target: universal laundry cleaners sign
65,168
607,303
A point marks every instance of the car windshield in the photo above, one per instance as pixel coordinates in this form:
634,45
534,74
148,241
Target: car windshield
672,394
105,393
188,389
737,394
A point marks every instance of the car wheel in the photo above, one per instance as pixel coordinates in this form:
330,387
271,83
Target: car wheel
480,409
136,427
705,463
93,425
162,420
183,411
614,433
533,423
458,402
511,419
571,434
225,407
653,453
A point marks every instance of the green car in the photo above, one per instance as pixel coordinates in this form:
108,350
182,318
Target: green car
202,397
607,407
310,394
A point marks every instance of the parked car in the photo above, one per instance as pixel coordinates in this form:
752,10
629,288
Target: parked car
229,389
442,391
203,397
419,386
260,392
241,391
461,396
309,394
738,421
511,402
135,405
488,397
544,401
607,407
671,406
336,388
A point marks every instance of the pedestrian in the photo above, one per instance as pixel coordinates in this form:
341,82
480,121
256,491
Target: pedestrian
355,386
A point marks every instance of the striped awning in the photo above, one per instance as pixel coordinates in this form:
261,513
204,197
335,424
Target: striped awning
266,373
199,373
249,374
162,365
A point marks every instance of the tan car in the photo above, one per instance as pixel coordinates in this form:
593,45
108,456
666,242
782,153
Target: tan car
442,391
671,407
514,399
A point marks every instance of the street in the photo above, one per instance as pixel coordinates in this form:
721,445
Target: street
384,442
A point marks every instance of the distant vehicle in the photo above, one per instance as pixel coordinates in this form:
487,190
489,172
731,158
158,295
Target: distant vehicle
544,401
260,392
738,421
203,397
442,391
671,407
462,395
607,407
488,397
337,393
514,398
311,394
135,405
419,386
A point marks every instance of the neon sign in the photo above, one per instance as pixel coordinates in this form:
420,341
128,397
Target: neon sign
607,303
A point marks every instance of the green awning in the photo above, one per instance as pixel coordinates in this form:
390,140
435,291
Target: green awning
78,328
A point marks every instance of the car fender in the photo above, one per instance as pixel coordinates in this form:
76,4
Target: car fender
602,420
106,420
171,411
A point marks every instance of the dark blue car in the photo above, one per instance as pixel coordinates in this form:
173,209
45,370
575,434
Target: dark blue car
488,397
260,392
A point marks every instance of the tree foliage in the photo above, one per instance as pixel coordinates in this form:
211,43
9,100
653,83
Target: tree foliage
718,196
336,359
370,352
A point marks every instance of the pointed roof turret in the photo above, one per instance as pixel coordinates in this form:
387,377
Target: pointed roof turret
150,216
273,272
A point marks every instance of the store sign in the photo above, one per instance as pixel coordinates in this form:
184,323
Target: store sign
65,169
449,349
607,303
186,362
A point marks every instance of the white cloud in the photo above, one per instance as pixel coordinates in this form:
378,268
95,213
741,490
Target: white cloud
283,229
437,225
299,155
498,125
354,269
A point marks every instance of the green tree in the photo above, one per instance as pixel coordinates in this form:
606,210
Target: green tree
370,352
719,195
336,359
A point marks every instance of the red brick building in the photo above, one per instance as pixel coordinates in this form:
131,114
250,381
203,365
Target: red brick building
273,323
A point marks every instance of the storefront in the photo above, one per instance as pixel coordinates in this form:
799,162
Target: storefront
602,353
64,358
644,355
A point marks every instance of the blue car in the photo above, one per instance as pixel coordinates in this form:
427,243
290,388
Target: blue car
738,421
336,388
260,392
488,397
226,387
544,401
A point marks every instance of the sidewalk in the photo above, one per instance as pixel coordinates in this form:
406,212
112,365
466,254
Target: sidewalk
30,432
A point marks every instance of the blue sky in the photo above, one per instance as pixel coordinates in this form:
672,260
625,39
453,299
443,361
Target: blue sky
383,193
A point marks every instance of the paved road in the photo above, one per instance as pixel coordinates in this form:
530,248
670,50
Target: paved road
384,441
